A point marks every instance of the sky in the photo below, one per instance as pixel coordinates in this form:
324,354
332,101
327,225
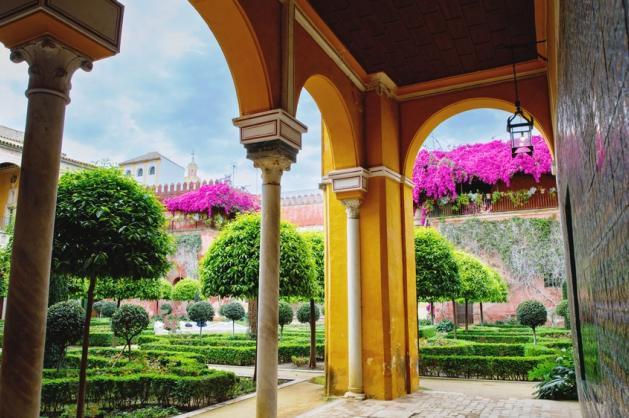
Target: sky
170,90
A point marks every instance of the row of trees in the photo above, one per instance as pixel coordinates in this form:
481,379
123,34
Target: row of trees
446,274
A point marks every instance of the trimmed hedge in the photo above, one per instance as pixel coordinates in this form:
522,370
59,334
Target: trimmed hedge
427,331
101,339
141,389
498,350
480,367
483,338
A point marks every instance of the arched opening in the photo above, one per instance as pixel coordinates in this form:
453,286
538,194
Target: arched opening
9,179
445,113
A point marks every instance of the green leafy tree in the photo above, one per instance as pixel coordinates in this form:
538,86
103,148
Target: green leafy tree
165,293
64,326
105,308
200,312
304,314
107,226
119,290
285,316
497,290
436,271
532,314
317,250
5,262
230,267
475,281
186,290
563,309
234,312
128,322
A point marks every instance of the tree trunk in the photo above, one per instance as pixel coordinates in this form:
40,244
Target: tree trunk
432,312
80,399
466,315
253,317
129,344
482,321
233,328
455,321
118,302
313,336
255,362
157,307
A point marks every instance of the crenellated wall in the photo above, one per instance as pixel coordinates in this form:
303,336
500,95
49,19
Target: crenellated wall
593,175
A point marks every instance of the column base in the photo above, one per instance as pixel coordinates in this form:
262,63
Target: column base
355,396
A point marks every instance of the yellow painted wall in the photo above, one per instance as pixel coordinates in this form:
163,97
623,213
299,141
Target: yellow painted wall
5,186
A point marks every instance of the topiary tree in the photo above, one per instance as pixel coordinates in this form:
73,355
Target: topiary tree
166,308
475,280
200,312
186,290
234,312
285,316
165,293
497,291
317,250
532,314
436,271
563,309
119,290
128,322
231,265
107,226
105,308
304,313
64,326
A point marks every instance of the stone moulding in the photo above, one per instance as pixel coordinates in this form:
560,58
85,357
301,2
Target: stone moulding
272,125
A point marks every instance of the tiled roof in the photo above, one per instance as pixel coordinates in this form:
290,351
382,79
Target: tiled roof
11,134
149,156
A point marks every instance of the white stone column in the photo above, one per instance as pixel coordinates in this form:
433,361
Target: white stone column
354,302
51,66
272,140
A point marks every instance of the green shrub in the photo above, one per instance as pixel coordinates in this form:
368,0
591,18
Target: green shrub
141,389
480,367
482,338
64,326
563,309
303,313
559,382
200,312
532,350
497,350
285,313
150,412
186,290
427,331
300,361
425,322
101,339
445,326
128,322
234,312
532,314
105,308
166,308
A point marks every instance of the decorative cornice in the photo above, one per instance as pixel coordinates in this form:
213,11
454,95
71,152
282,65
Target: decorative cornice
384,171
349,180
272,125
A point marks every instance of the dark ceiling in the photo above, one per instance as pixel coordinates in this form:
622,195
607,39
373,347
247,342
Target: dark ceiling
420,40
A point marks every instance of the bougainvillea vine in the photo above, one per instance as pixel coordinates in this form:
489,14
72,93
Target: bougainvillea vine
437,173
214,199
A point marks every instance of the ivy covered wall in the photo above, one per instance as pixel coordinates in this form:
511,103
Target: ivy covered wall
524,249
186,258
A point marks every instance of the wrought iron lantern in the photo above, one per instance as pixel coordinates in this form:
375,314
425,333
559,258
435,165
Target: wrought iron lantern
519,126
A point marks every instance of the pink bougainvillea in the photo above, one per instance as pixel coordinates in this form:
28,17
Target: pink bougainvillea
437,173
214,199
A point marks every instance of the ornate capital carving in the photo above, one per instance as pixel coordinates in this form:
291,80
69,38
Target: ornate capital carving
272,167
352,207
50,66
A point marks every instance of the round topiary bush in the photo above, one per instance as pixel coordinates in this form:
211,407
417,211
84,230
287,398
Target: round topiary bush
64,326
445,326
200,312
186,290
303,313
234,312
128,322
166,308
563,309
285,316
532,314
105,308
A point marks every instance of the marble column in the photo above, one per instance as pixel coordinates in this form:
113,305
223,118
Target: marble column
272,168
51,66
354,346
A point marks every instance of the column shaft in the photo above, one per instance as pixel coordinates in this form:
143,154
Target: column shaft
268,295
354,301
25,326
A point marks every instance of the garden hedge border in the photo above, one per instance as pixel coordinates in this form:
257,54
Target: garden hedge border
480,367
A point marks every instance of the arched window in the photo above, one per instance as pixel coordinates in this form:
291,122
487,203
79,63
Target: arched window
127,173
152,170
140,172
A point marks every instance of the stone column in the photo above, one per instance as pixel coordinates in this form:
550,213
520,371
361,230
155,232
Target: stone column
272,140
272,167
51,66
354,308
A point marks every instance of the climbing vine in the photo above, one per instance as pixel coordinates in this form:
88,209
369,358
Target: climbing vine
187,254
528,248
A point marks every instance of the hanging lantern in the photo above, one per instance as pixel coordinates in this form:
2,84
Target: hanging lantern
520,130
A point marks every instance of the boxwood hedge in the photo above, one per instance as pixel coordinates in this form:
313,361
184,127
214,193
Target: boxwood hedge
480,367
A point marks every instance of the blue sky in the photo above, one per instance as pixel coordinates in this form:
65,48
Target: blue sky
170,90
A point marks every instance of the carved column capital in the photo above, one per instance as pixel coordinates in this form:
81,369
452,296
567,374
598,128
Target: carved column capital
50,66
352,208
272,166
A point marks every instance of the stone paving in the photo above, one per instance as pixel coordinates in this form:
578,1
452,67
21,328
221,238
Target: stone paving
438,404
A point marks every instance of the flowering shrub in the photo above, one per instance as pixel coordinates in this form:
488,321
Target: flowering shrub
214,199
437,173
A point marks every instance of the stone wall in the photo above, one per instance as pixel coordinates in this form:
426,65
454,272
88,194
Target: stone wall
593,175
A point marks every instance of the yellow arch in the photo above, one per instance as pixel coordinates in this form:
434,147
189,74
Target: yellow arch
238,41
453,109
343,137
